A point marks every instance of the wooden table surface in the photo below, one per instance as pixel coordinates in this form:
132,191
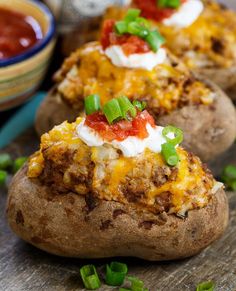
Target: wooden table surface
23,267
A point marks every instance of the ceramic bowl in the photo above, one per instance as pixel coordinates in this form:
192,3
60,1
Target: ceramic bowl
20,76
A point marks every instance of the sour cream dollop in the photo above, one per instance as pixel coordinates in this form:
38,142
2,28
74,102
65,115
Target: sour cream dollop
186,14
131,146
146,61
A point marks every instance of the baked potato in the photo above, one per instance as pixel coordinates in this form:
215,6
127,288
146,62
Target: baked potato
173,95
207,45
77,199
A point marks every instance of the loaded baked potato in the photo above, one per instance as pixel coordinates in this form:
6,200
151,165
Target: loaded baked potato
124,188
202,33
126,65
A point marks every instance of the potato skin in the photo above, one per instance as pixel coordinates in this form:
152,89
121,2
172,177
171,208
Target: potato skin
68,225
208,130
225,78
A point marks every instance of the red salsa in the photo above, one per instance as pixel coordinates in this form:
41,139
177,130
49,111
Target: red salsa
18,33
121,129
151,10
130,44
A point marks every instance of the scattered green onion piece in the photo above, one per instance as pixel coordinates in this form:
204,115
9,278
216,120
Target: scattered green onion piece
3,177
135,28
121,27
177,133
18,163
205,286
169,153
124,289
90,277
115,273
112,111
132,14
127,108
92,104
155,40
168,3
5,161
139,105
136,284
229,177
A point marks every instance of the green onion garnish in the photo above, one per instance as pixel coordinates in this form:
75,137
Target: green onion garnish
18,163
137,29
139,105
135,25
168,3
205,286
127,108
155,40
115,273
121,27
136,284
5,161
3,177
229,177
92,104
124,289
132,14
90,277
169,153
112,111
177,133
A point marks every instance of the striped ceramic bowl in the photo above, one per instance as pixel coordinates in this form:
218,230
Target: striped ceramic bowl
20,76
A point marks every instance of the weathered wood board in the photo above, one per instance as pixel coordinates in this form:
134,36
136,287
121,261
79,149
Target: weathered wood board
23,267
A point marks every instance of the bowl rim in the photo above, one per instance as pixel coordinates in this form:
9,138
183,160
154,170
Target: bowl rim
39,45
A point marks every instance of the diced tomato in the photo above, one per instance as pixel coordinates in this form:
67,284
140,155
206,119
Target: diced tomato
122,129
130,44
150,9
107,29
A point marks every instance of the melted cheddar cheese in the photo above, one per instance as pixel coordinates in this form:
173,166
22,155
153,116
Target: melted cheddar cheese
145,181
209,42
167,87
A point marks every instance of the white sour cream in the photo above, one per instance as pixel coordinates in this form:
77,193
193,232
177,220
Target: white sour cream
146,61
186,14
131,146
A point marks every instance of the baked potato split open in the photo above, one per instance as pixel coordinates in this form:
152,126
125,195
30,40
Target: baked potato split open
77,200
173,95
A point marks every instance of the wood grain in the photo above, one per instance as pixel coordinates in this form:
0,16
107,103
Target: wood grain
23,267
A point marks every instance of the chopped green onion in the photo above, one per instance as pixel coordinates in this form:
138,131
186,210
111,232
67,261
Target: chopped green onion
5,161
132,14
90,277
18,163
115,273
144,22
121,27
136,284
205,286
112,111
92,104
178,134
127,108
169,153
124,289
3,177
137,29
139,105
168,3
229,177
155,40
